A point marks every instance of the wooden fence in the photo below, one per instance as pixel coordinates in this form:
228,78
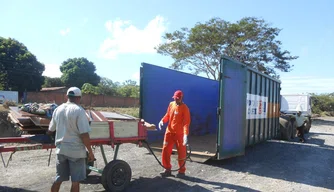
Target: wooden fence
86,100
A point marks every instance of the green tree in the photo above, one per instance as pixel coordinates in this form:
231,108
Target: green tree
129,89
90,89
2,81
78,71
322,103
250,40
52,82
19,68
108,87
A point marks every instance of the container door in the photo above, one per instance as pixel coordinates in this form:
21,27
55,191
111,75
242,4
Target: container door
232,109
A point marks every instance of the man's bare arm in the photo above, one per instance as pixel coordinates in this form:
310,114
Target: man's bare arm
86,141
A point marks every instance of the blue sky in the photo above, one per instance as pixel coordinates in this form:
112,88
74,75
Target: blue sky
118,35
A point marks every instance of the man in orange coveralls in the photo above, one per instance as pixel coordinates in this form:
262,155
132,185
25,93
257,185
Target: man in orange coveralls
177,131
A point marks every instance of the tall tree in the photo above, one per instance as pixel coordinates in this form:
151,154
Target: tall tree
129,89
19,68
250,40
108,87
52,82
78,71
88,88
2,80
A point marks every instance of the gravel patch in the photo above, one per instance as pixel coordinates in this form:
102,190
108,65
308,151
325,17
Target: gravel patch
270,166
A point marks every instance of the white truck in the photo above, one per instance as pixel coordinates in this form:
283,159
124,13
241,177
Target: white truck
291,103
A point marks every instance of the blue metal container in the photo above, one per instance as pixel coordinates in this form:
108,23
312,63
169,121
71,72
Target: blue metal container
238,110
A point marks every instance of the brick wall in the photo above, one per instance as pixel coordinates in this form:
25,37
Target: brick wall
87,99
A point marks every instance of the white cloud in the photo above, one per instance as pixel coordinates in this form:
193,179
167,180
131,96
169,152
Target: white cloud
127,38
306,84
64,32
52,70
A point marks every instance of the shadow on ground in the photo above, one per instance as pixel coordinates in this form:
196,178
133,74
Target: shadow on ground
92,179
311,136
309,163
170,184
321,122
10,189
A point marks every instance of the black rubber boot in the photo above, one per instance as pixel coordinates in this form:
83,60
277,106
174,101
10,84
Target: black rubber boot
180,175
166,173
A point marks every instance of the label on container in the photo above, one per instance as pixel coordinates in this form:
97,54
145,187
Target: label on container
257,107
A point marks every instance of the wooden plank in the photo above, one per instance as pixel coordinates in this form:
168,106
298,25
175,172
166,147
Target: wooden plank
20,121
125,129
117,116
33,128
150,127
97,116
10,116
40,121
99,131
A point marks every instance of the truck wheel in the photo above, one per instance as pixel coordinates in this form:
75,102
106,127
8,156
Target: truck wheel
286,129
294,129
116,176
308,126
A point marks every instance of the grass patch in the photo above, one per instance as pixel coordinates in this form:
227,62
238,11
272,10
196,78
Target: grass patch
133,111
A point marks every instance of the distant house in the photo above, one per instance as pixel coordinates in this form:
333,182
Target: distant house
54,89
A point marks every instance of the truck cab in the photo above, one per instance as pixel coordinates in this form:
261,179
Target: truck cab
291,103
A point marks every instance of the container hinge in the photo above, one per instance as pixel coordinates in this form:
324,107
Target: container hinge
218,110
220,76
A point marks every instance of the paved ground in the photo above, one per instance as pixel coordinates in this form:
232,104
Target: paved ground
271,166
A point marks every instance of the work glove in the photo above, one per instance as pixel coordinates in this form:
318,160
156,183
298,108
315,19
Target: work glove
185,140
161,124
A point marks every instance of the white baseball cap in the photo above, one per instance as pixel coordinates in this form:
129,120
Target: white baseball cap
74,91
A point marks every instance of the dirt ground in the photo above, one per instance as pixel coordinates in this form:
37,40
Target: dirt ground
270,166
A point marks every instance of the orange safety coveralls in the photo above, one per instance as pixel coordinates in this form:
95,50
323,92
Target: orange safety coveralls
178,126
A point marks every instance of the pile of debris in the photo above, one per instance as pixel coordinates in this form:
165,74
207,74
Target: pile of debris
33,118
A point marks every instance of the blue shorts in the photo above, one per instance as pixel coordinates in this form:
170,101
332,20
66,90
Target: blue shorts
67,166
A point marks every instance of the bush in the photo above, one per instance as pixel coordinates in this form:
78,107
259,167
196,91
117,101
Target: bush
7,104
323,104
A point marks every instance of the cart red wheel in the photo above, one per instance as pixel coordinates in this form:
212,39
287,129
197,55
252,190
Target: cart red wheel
116,176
